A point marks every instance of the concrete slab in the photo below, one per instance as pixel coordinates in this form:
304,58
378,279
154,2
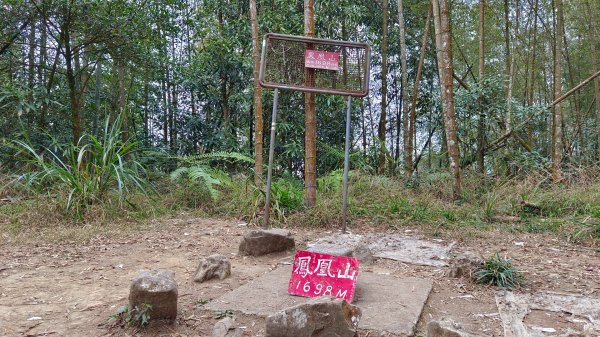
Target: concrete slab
403,248
338,244
562,315
389,304
412,250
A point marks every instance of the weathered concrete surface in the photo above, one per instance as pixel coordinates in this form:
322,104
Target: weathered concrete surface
576,315
402,248
337,244
411,250
389,304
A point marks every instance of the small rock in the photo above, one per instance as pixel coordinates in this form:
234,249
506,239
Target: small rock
157,288
363,254
446,328
464,265
261,242
212,267
319,317
226,328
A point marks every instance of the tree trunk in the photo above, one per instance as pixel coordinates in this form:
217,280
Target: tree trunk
510,61
381,131
146,108
97,98
76,120
481,121
121,98
532,72
406,136
557,120
592,29
169,117
165,107
174,112
42,70
415,95
31,71
444,46
257,107
310,119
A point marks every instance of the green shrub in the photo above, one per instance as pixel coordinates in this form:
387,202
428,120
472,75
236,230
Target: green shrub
500,272
288,194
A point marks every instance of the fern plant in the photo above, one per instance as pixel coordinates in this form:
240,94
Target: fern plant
197,170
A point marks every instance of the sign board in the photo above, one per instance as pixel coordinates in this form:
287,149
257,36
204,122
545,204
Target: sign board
315,274
318,59
336,67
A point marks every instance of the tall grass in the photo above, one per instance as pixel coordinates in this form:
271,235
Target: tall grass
86,171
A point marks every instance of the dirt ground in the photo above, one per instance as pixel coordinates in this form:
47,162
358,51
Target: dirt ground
73,289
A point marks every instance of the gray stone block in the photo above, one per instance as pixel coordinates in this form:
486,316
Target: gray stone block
157,288
266,241
320,317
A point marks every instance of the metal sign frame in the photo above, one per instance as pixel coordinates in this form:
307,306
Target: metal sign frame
364,90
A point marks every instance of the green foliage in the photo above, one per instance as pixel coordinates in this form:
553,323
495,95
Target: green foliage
205,158
201,301
331,182
287,194
200,175
220,314
133,317
489,206
87,170
500,272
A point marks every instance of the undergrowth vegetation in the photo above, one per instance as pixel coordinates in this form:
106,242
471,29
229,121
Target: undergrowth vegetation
83,174
500,272
92,181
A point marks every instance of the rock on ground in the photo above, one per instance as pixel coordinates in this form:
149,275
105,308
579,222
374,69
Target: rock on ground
319,317
261,242
446,328
465,264
157,288
214,266
363,253
226,328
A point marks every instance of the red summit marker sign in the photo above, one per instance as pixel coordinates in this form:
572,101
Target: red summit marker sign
316,274
317,59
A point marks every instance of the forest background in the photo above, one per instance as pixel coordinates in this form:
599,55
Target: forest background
481,114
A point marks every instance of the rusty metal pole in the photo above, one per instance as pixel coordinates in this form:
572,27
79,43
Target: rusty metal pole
346,166
271,155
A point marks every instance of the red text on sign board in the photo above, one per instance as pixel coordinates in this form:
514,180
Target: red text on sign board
321,59
316,274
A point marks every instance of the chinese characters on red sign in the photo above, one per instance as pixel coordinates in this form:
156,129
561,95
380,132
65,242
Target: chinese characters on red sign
315,275
321,60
